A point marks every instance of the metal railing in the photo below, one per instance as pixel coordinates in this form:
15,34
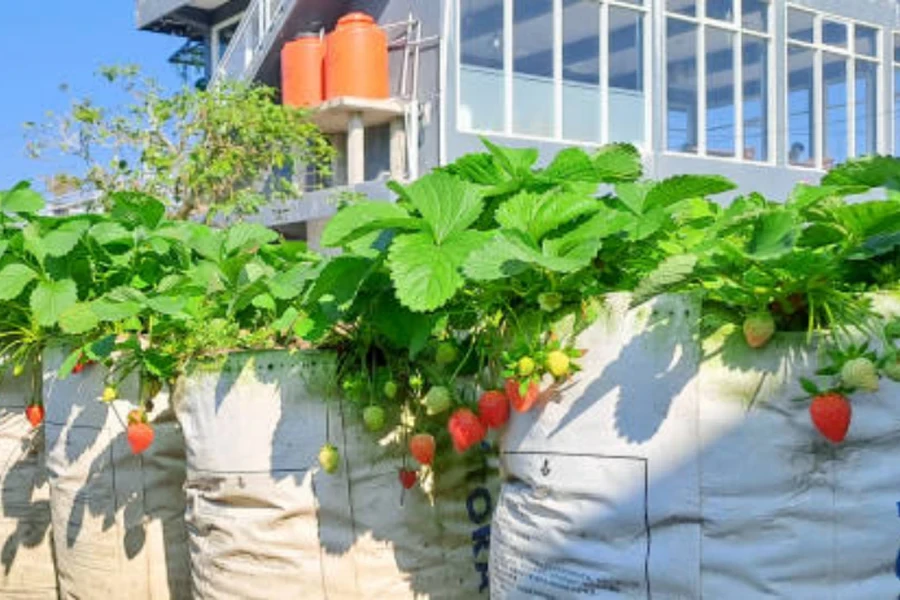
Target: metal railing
252,40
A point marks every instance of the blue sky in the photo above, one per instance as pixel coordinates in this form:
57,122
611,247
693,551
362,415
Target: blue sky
48,42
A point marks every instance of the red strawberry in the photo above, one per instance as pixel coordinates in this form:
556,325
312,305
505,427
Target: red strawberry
421,446
493,408
408,478
78,368
140,433
35,414
465,429
520,403
830,414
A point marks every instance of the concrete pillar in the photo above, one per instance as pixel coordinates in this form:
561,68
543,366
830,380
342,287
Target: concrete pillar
398,149
356,150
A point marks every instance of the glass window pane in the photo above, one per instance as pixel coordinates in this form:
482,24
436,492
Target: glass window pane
801,116
866,107
834,34
897,47
581,70
756,14
533,110
481,105
896,112
681,86
720,111
720,9
834,109
800,25
866,41
756,98
627,98
685,7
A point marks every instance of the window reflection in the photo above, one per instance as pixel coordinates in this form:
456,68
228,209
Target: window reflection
681,85
627,101
481,69
801,115
581,71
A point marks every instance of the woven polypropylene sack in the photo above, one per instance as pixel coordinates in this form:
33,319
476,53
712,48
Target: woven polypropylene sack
117,517
260,509
27,570
675,468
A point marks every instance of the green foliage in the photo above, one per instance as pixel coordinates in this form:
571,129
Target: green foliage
224,149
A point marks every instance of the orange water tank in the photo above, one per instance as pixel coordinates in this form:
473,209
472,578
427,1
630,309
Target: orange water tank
356,59
302,83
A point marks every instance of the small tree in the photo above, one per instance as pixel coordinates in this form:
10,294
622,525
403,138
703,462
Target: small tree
225,149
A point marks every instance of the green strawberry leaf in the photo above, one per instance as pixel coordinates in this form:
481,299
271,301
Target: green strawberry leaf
449,205
361,218
50,299
809,386
247,236
426,275
773,235
618,163
13,279
21,199
671,272
136,209
78,319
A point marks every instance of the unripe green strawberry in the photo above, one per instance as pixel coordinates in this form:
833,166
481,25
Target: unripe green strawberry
446,354
526,366
373,416
892,370
18,370
416,382
329,458
550,301
437,400
110,393
558,363
390,390
860,373
759,329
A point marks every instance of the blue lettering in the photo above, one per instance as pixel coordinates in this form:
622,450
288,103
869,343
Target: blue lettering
475,515
482,567
481,540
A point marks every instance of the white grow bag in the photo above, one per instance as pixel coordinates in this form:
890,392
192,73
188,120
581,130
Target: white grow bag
665,474
26,555
118,518
265,522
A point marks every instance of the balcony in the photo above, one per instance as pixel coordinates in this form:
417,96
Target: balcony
185,18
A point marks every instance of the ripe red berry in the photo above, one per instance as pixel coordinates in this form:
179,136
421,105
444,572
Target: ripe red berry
35,414
519,402
421,446
140,437
831,414
140,433
408,478
493,408
466,429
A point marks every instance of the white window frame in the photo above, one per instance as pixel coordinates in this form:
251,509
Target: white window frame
214,37
850,56
555,28
739,32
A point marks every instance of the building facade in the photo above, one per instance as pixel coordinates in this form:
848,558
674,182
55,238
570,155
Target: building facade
766,92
